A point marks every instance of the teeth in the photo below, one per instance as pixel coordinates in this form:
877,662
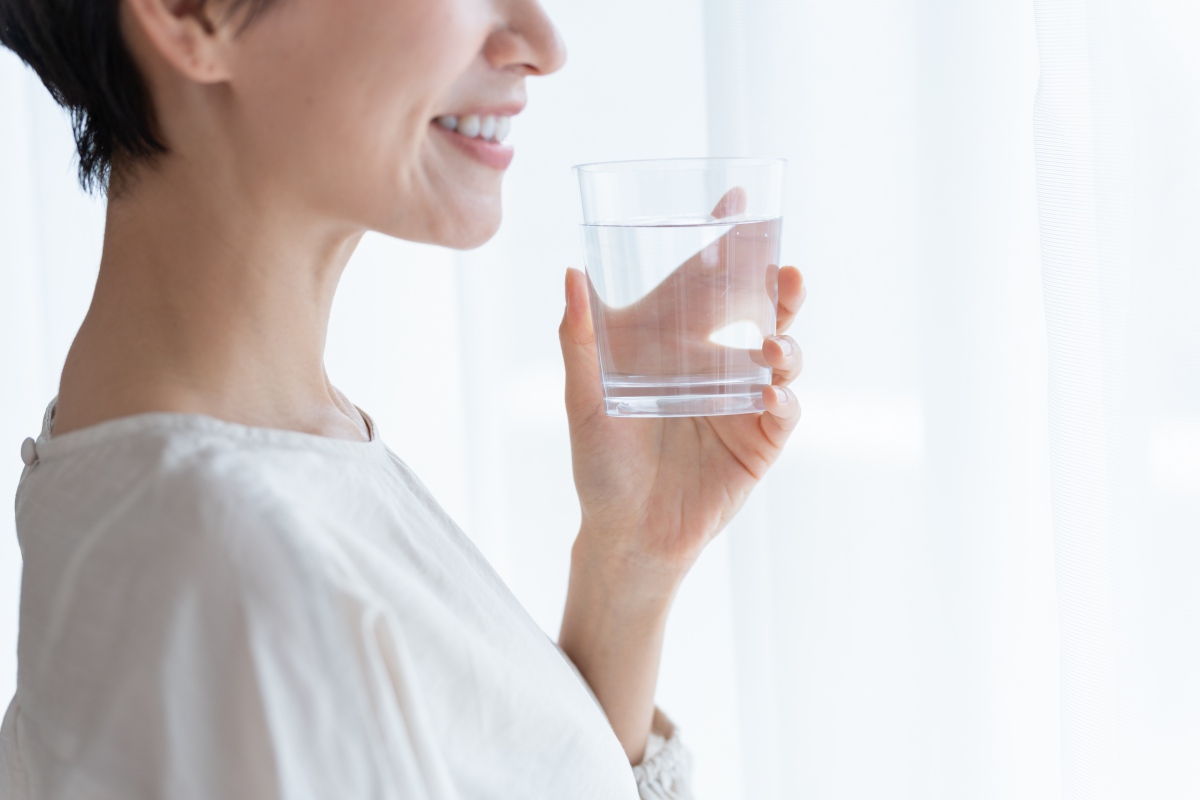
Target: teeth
489,128
469,126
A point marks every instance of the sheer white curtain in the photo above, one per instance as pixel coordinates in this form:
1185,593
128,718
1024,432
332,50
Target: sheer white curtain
1118,129
903,559
1002,391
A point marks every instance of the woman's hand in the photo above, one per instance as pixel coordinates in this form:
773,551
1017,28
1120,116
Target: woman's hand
653,493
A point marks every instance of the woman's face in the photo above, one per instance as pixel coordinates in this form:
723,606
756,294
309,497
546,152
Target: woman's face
384,114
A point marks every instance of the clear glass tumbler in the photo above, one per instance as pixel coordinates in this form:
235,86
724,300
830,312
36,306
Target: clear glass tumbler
682,260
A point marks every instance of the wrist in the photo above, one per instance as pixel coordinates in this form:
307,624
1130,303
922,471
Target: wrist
621,581
613,628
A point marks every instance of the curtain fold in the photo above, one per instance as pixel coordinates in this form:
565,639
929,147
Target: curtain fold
1117,155
909,589
1073,258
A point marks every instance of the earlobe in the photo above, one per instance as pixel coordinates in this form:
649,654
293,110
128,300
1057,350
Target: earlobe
182,34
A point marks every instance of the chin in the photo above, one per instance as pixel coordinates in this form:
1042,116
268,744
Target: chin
465,229
472,236
458,220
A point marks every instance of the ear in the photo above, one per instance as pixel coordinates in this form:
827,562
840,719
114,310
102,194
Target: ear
184,33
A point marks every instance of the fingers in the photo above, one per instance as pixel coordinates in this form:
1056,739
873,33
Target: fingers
731,203
584,392
783,414
782,405
784,356
791,296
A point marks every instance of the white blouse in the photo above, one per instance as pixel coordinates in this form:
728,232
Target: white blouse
210,610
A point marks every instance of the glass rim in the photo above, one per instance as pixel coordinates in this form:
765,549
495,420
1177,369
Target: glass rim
678,164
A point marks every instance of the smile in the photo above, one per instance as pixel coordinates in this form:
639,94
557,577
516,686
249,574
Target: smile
479,136
489,128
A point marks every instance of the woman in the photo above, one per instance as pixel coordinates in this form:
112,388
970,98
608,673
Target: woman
231,587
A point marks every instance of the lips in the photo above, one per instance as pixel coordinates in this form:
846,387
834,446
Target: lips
479,137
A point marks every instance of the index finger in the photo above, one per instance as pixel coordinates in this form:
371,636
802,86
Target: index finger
791,297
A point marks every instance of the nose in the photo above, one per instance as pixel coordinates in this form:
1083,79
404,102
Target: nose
527,41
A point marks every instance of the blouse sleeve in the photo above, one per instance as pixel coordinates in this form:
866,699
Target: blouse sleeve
666,770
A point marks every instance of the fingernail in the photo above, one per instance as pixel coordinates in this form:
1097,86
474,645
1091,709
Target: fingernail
567,288
785,345
781,396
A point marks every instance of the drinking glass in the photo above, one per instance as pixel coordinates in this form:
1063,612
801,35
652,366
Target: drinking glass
682,260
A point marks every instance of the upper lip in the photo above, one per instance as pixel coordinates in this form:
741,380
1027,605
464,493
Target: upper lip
510,109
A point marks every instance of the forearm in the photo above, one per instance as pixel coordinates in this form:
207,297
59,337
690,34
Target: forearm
613,629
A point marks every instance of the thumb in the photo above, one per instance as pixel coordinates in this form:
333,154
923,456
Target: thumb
577,337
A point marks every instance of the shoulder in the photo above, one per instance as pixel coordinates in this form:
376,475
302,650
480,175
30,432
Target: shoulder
171,604
156,492
160,538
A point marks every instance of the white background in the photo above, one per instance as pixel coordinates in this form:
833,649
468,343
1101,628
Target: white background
882,620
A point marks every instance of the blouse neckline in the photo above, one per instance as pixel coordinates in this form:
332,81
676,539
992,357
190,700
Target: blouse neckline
180,423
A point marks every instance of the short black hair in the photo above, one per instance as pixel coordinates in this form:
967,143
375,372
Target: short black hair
77,49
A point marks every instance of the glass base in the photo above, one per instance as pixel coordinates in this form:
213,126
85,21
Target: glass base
689,405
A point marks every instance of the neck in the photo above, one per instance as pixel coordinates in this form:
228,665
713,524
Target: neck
212,298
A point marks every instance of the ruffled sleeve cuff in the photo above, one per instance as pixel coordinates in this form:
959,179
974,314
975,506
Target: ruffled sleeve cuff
666,770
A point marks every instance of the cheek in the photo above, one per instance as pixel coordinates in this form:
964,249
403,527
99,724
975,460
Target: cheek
339,95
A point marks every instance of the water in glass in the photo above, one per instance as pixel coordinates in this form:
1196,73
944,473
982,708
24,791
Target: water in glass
681,307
